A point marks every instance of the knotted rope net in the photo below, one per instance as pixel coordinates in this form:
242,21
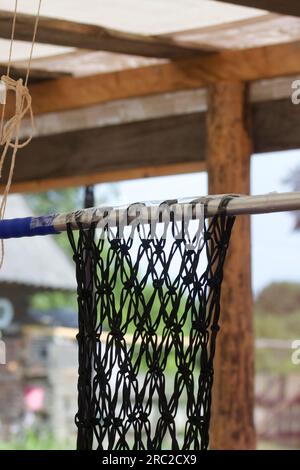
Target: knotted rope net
149,308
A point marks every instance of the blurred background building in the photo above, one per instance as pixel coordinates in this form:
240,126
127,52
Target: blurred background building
38,382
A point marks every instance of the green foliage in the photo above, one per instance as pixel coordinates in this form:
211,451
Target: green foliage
150,295
274,361
285,326
65,200
277,307
34,440
277,316
269,445
279,298
54,300
52,202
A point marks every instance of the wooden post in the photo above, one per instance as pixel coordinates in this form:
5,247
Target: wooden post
228,163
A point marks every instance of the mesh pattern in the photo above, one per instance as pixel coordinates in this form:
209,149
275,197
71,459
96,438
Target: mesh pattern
148,321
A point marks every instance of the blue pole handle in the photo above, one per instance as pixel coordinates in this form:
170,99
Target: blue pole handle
27,227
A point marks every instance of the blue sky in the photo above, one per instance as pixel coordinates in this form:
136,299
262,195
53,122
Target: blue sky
275,246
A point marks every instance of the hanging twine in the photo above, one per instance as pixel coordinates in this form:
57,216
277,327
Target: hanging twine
10,131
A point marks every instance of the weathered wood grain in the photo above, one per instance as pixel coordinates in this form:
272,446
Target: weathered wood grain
228,163
241,65
85,36
152,147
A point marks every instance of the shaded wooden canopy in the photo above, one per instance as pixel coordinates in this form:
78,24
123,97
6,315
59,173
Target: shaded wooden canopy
118,104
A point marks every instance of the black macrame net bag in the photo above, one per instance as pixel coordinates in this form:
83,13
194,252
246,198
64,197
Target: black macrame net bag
148,320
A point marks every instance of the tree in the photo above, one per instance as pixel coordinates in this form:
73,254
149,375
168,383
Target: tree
278,298
52,202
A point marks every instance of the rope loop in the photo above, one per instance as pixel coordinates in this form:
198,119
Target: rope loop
23,106
9,132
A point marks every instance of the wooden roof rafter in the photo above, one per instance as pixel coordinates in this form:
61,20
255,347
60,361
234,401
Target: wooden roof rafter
86,36
239,65
36,75
284,7
169,131
169,144
122,144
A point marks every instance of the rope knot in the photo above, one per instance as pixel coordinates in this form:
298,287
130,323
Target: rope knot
9,133
23,106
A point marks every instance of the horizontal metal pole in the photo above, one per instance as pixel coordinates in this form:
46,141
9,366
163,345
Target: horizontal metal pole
147,212
261,204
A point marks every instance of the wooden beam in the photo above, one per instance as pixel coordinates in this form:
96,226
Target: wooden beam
244,65
272,89
275,125
284,7
153,147
85,36
134,150
228,162
146,108
83,62
36,75
117,112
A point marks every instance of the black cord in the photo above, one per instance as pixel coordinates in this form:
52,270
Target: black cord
147,337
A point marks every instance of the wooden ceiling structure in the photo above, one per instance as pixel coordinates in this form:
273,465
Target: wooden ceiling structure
86,80
123,105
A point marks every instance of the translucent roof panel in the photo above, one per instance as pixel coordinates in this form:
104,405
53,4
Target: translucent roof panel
140,16
208,23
